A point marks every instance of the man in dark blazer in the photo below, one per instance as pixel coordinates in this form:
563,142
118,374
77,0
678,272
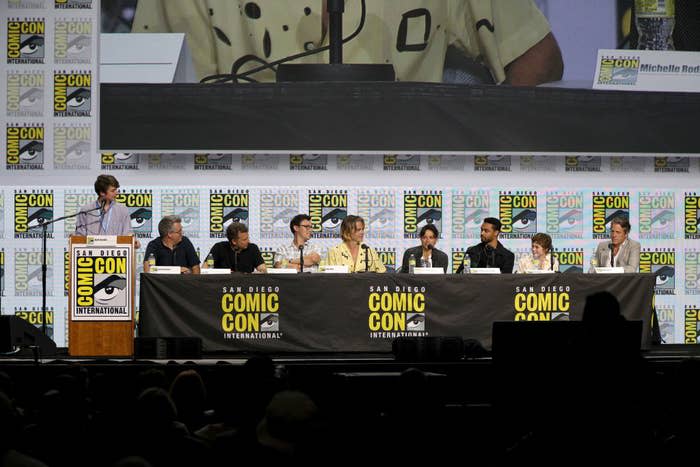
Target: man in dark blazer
432,257
490,253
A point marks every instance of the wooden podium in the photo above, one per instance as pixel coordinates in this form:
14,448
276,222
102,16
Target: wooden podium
101,296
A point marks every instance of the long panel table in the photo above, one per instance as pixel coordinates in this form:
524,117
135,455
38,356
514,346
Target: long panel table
365,312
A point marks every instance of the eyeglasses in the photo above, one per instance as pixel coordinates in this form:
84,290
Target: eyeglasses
306,226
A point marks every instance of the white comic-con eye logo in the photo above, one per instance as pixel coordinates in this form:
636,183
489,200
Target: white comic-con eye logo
109,290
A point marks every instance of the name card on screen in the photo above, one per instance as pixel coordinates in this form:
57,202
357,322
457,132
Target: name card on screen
647,70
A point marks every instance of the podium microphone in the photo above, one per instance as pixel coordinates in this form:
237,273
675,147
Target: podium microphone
366,248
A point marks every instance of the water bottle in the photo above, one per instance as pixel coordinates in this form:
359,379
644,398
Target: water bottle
323,263
411,264
151,260
284,262
467,265
209,261
655,20
594,262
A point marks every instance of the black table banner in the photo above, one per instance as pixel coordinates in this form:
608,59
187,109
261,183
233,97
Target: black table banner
365,312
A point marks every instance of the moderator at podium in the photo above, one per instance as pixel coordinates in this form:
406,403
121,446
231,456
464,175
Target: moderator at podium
620,251
426,254
490,253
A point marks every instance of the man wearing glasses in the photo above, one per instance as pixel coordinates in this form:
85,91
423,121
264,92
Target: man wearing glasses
172,248
299,248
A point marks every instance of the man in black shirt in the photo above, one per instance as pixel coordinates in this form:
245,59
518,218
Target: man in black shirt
172,248
238,254
490,253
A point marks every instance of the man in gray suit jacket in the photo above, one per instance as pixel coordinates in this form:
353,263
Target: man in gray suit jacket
619,251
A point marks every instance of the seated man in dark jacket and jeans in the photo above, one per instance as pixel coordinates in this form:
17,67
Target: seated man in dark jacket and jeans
426,254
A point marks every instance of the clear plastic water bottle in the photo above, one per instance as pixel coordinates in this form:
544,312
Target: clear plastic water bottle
209,261
466,265
151,260
411,264
594,262
324,262
655,20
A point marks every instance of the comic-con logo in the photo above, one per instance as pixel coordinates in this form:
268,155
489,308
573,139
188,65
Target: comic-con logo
25,147
260,162
671,164
493,163
691,201
388,257
421,208
692,272
268,255
379,211
28,265
66,272
119,161
618,70
25,94
518,213
225,207
457,255
570,260
583,163
35,317
606,207
140,205
250,312
73,200
468,212
25,41
453,162
327,209
166,162
101,284
71,146
73,4
72,94
565,215
184,204
691,329
657,215
537,164
544,303
401,162
308,162
662,263
396,311
32,209
276,211
627,164
212,161
666,314
72,41
355,162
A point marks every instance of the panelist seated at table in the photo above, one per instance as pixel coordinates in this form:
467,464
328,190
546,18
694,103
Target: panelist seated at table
427,256
620,251
300,225
353,253
172,248
237,253
490,253
540,258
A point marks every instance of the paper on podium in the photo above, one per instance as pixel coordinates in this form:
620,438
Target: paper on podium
145,58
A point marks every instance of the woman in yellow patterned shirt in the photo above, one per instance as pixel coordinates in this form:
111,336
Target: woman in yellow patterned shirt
353,253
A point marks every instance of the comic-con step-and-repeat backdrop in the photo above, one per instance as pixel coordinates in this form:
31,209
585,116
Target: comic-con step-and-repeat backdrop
50,161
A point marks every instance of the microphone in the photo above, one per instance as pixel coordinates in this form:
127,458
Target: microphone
490,249
430,246
612,257
366,248
301,258
103,202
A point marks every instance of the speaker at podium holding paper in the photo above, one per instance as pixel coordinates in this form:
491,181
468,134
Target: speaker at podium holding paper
619,252
105,215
